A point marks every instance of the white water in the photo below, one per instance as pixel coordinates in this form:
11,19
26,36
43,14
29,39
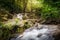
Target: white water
20,16
41,32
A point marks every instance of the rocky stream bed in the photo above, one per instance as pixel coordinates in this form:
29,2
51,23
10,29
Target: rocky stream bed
40,32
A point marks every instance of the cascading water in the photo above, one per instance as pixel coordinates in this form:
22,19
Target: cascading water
20,16
39,32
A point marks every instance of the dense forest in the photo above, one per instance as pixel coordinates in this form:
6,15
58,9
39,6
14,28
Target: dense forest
31,11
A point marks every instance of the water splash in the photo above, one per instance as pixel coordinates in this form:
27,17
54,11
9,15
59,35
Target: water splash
20,16
42,32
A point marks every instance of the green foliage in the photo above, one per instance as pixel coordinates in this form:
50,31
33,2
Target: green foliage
9,5
6,32
50,10
26,25
45,9
4,15
53,3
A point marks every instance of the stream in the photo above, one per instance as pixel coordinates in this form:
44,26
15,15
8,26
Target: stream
38,32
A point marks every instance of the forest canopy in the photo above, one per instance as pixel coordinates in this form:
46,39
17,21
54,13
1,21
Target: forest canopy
47,9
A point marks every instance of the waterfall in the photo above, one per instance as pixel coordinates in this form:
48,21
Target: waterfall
38,32
20,16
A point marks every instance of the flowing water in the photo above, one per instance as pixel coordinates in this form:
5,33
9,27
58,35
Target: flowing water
20,16
38,32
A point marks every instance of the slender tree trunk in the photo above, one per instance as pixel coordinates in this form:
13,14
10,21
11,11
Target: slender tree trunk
25,5
31,6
